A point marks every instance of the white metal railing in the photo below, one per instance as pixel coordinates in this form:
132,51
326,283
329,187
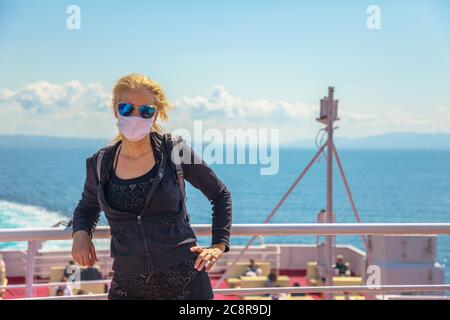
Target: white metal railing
335,289
56,284
252,229
305,290
410,297
32,236
45,260
261,253
97,296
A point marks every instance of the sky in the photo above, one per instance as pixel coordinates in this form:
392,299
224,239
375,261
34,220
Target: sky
230,64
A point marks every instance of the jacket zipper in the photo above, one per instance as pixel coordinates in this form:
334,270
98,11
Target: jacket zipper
144,238
139,217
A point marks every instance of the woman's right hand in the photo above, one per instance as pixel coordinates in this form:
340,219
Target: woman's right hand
83,250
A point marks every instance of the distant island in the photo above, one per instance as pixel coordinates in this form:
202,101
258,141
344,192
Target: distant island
394,140
406,140
42,142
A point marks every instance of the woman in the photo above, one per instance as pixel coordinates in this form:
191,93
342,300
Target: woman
136,183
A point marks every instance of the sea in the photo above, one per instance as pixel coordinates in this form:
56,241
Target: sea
41,186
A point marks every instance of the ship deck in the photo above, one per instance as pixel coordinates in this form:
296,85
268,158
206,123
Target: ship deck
298,276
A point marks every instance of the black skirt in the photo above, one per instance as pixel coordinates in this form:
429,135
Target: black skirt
178,282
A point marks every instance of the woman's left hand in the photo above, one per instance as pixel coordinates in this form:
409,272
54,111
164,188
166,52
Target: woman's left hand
207,257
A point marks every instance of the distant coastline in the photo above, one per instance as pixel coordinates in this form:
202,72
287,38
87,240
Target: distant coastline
393,140
396,141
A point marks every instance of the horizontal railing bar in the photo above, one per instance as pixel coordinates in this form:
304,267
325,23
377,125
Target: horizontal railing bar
271,229
98,296
411,297
54,284
40,259
44,258
319,289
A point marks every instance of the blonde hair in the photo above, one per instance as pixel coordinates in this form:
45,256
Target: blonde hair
136,81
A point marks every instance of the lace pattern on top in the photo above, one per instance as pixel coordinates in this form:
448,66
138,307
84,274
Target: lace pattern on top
129,195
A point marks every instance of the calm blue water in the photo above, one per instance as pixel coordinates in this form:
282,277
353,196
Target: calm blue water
39,187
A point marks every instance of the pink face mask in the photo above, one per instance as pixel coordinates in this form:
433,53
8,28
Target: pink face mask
134,128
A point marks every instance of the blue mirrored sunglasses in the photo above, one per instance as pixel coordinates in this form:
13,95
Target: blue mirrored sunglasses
145,111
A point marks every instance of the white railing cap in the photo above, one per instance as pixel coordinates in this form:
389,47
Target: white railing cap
264,229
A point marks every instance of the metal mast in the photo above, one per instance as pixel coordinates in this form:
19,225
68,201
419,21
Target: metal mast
329,213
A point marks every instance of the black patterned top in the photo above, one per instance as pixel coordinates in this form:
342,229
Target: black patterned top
128,195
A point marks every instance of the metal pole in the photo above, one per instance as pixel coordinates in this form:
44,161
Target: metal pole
352,202
329,213
30,268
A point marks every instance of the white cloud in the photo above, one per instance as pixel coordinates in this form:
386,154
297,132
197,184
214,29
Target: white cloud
43,96
70,109
221,110
353,116
83,110
221,104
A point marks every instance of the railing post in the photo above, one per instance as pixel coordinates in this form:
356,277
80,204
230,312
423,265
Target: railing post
30,268
278,259
329,212
105,266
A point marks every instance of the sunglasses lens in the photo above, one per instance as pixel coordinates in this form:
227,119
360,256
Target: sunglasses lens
147,111
125,109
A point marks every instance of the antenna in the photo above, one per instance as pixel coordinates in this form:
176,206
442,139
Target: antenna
325,107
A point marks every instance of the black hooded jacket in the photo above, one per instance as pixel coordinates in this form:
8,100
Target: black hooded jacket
161,235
